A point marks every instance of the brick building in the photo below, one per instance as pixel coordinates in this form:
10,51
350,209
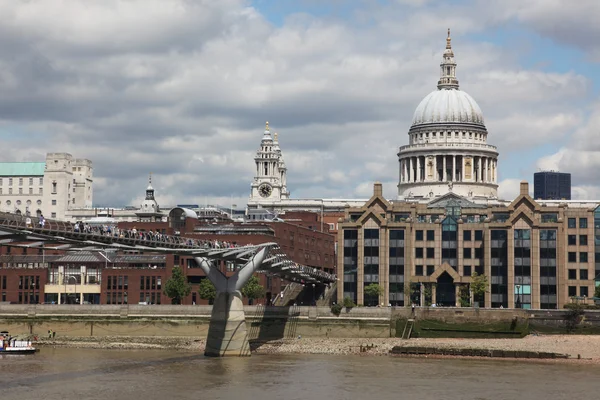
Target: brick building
535,254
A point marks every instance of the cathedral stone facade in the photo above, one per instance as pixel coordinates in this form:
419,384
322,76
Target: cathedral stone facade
447,150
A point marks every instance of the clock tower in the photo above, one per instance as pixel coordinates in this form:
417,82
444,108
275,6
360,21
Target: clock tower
269,184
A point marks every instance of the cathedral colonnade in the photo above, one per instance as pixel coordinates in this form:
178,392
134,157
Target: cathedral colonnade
448,168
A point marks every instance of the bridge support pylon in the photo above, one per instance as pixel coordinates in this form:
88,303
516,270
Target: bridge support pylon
227,332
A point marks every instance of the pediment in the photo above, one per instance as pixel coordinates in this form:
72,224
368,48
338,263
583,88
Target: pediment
445,267
452,200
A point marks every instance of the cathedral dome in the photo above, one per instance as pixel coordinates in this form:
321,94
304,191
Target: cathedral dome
448,106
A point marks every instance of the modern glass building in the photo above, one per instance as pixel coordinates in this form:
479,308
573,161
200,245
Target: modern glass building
551,185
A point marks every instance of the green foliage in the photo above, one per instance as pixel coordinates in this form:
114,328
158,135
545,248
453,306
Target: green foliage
207,290
372,293
348,302
465,300
253,289
177,286
428,293
412,289
574,317
597,291
336,309
479,285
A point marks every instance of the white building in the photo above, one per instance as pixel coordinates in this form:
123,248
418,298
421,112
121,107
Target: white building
268,189
50,188
448,150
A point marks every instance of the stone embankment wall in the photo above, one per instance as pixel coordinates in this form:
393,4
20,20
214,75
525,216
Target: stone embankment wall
268,323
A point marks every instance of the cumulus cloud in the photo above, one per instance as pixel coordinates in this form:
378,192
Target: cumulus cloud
182,89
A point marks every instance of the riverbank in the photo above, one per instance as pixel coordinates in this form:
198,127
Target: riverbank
586,347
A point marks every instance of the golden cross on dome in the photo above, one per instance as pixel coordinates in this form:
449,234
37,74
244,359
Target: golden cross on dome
276,134
448,40
267,126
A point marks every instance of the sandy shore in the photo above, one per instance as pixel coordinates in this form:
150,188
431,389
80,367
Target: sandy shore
587,347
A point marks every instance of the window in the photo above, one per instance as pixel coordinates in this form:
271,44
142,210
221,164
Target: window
20,190
41,181
479,253
572,291
572,240
583,291
41,190
430,270
583,240
572,223
53,202
583,222
9,181
30,181
431,235
583,257
430,252
53,215
419,252
467,236
53,187
0,181
572,256
478,235
418,270
419,235
20,181
9,190
583,274
466,253
30,190
467,270
572,274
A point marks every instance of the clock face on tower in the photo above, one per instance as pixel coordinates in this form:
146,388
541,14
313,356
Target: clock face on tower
265,190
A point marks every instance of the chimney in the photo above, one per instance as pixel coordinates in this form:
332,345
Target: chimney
524,188
377,189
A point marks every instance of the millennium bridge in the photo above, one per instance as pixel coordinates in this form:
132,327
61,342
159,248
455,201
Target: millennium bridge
227,334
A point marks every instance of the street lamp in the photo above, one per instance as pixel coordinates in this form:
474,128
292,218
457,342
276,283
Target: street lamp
314,302
518,296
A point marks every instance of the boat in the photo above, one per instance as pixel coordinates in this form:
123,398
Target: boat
15,345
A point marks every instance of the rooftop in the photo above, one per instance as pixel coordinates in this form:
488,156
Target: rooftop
22,168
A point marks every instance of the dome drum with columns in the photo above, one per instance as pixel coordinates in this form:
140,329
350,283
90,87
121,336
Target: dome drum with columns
448,148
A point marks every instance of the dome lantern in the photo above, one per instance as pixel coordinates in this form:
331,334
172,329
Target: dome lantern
448,78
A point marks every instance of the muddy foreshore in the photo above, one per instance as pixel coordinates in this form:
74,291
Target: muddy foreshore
579,348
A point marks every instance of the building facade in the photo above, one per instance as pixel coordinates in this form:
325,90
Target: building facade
447,144
551,185
534,254
47,188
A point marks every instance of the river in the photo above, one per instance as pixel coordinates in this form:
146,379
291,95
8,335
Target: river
87,374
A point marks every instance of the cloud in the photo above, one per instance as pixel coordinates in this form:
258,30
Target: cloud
182,89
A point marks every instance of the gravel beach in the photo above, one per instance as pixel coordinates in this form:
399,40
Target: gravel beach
587,347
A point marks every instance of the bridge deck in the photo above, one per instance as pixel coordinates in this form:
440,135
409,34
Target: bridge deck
20,231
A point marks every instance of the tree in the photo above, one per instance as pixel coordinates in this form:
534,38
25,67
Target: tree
207,290
479,285
373,291
413,289
177,286
253,289
597,292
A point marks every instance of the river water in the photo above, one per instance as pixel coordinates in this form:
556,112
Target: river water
61,373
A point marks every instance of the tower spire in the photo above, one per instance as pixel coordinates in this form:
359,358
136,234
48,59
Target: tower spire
448,67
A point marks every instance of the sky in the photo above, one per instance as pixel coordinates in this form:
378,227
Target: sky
182,89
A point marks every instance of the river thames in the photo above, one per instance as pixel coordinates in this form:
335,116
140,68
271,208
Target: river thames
65,373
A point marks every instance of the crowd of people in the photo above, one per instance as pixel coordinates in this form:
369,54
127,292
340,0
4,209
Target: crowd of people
150,235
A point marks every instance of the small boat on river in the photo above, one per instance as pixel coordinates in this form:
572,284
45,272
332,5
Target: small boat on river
15,345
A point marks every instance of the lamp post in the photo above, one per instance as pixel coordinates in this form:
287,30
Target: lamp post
314,302
518,296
